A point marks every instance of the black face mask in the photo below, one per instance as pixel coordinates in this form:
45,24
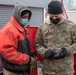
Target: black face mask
54,21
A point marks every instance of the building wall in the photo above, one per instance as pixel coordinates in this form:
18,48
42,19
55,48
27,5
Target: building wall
72,16
37,17
36,6
32,3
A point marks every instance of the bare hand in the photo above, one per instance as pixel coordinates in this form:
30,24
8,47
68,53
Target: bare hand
33,60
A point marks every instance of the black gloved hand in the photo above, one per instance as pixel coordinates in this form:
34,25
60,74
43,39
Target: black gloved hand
62,53
49,54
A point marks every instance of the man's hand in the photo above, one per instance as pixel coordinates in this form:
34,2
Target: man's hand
49,54
62,53
33,60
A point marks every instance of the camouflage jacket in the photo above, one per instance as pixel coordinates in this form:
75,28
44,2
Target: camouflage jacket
50,36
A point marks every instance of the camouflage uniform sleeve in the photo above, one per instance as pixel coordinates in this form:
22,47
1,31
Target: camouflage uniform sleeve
72,48
39,43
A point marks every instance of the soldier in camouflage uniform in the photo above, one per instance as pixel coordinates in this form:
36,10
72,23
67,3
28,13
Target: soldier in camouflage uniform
56,42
